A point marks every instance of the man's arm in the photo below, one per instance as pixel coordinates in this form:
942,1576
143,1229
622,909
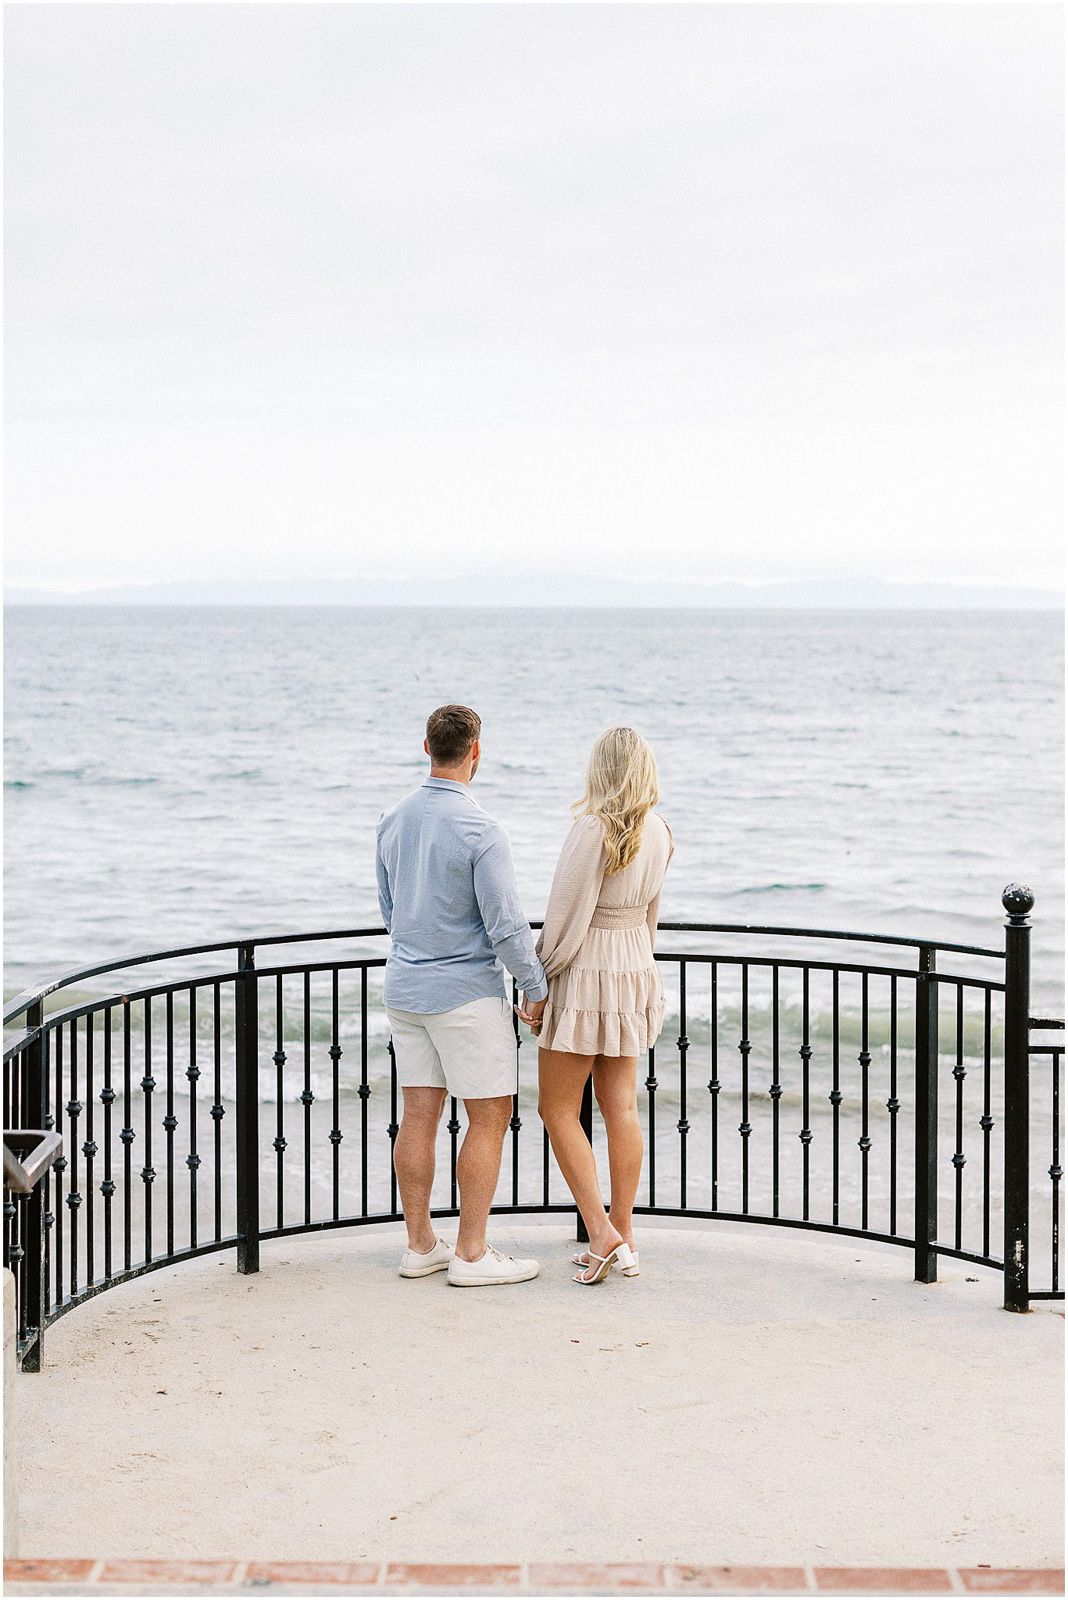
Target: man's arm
502,916
385,897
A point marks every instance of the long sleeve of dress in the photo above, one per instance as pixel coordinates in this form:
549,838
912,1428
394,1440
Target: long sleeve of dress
573,897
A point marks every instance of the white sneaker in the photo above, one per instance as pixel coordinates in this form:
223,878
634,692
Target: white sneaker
491,1268
414,1265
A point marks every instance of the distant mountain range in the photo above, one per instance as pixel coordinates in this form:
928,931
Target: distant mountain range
838,594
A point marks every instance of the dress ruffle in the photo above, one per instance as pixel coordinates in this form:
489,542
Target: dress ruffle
603,1011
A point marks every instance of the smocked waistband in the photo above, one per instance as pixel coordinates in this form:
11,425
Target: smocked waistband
619,917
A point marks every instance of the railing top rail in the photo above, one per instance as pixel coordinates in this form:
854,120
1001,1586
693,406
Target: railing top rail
827,933
30,997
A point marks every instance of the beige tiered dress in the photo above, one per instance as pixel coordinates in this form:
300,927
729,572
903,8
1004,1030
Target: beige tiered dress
606,996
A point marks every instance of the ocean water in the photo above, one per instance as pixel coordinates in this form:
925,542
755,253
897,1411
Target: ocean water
180,775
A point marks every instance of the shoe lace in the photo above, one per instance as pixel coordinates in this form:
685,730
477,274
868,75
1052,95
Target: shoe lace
498,1254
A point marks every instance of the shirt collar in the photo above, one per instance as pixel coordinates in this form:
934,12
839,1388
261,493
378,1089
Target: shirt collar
446,783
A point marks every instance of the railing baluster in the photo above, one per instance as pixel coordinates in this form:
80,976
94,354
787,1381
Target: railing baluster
107,1100
148,1172
775,1091
279,1059
745,1127
651,1087
307,1100
11,1217
89,1150
454,1133
335,1082
986,1121
14,1251
170,1121
515,1121
51,1119
364,1091
835,1096
1055,1173
683,1046
1018,902
218,1110
714,1087
28,1241
586,1124
74,1198
192,1160
805,1053
126,1136
926,1176
247,1109
959,1075
893,1105
394,1127
864,1142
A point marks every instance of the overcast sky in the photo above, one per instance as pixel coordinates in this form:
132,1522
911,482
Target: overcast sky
674,291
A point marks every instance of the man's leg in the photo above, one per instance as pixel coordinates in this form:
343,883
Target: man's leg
478,1167
413,1161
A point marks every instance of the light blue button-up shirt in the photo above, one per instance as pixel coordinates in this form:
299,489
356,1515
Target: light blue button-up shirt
446,887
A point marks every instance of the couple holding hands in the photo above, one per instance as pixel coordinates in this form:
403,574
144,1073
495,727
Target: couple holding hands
592,992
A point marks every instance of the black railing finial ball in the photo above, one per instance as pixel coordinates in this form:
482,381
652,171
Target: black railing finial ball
1018,902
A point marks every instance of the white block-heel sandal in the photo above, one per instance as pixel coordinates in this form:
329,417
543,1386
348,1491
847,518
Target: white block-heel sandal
583,1260
622,1255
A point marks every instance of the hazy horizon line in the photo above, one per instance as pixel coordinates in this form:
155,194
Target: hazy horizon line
554,590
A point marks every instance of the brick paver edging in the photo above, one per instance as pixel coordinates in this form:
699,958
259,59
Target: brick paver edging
66,1575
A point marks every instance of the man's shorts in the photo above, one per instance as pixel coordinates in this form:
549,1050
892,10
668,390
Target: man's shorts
469,1051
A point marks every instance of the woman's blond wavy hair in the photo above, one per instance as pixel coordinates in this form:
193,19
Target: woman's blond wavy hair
621,789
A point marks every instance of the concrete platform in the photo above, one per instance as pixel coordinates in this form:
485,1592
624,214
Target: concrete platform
755,1397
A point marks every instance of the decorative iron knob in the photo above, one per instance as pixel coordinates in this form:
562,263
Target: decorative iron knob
1018,901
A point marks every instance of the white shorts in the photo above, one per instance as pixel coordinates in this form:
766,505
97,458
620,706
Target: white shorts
470,1051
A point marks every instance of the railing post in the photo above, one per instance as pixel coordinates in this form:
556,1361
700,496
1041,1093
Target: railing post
586,1119
246,1030
1018,901
35,1115
926,1229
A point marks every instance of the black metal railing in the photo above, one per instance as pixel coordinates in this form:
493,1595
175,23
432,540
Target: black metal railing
877,1098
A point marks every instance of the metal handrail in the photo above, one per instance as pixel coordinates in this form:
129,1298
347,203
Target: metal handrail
42,1149
22,1002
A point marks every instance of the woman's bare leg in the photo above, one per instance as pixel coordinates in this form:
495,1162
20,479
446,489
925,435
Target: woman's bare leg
615,1083
561,1078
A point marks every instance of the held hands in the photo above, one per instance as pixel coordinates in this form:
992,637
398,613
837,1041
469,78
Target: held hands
530,1012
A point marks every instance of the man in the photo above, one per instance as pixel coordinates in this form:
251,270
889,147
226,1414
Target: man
447,891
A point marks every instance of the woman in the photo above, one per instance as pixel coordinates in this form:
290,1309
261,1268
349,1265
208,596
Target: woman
606,1000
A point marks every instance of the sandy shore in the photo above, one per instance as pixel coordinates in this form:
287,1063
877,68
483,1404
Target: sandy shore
754,1397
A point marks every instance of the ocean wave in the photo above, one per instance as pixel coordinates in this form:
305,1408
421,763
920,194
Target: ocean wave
773,888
